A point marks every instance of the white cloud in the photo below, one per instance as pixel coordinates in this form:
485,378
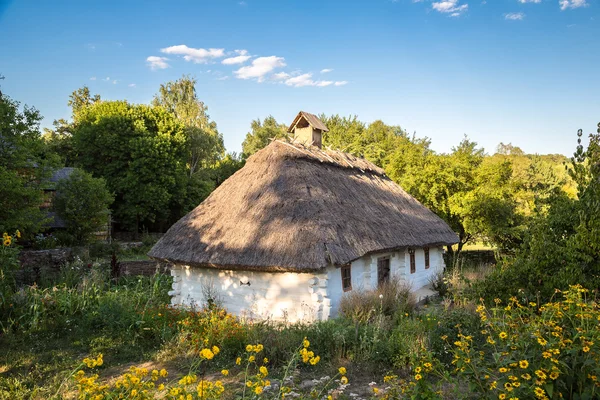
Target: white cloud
564,4
280,76
155,62
199,56
241,58
222,78
530,1
93,78
450,7
260,67
131,85
306,80
115,82
106,79
326,70
340,83
514,16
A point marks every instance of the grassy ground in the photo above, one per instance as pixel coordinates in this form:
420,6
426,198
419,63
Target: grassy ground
48,330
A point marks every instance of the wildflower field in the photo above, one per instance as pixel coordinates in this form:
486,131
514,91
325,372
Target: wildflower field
85,335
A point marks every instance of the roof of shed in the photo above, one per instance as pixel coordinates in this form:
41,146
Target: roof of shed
312,119
298,208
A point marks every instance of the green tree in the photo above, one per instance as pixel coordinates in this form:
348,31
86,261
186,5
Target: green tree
562,246
24,168
204,142
82,201
80,99
141,152
59,140
261,135
471,193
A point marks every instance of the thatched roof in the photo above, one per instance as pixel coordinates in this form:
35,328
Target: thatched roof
312,119
297,208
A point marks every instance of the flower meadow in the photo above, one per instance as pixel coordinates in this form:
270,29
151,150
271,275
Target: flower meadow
85,335
252,370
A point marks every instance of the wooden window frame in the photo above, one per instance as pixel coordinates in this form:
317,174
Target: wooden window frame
346,273
413,261
427,260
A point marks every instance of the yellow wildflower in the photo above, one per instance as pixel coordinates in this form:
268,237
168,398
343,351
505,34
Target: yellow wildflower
418,377
305,343
523,364
342,370
207,354
224,372
258,390
344,380
238,361
263,370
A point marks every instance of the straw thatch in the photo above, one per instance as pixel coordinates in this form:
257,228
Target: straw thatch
296,208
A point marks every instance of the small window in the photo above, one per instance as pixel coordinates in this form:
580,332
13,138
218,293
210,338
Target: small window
346,278
413,264
426,249
383,270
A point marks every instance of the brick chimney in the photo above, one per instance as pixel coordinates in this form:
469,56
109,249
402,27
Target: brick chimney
308,129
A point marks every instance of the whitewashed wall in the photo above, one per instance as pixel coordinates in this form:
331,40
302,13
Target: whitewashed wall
364,272
295,296
279,296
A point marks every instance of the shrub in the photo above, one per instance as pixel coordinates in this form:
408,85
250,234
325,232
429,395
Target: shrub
439,283
9,265
82,202
450,324
543,351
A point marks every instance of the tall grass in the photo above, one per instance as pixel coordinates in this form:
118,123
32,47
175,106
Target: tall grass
390,299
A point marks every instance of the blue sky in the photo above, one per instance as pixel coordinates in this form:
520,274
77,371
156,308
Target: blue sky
520,71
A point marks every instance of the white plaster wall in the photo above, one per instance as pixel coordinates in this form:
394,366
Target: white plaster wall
422,276
364,272
295,296
279,296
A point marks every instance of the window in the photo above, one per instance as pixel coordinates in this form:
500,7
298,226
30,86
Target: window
426,249
346,278
413,264
383,270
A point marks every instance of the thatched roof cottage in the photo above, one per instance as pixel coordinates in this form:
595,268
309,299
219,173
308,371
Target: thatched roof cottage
295,228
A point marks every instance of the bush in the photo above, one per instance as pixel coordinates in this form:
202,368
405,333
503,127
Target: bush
390,299
450,324
82,202
531,350
9,265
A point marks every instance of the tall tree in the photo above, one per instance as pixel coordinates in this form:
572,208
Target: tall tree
59,140
261,135
24,167
471,194
80,99
204,142
140,150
